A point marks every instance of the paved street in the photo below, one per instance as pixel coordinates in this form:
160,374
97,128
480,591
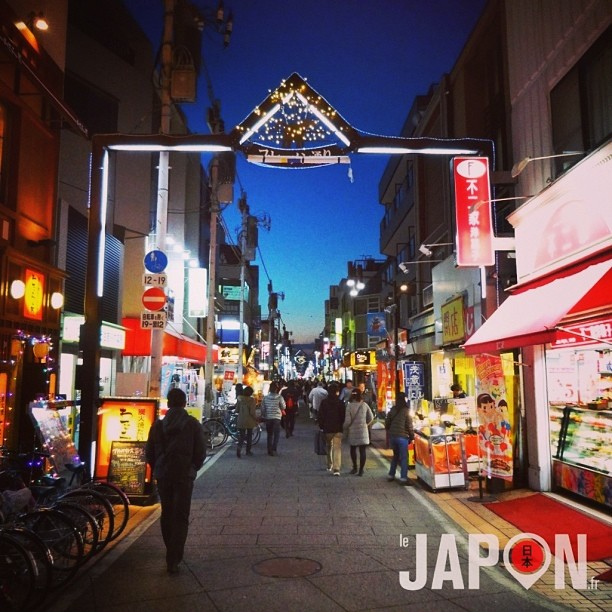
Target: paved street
281,533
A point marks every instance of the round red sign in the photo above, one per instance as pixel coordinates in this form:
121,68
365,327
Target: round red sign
154,298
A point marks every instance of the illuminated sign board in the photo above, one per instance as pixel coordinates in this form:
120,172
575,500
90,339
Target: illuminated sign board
473,212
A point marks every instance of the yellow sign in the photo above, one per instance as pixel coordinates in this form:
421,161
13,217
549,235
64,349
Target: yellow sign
453,327
34,293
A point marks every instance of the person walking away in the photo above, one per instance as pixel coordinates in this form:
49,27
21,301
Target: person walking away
246,420
398,423
291,395
356,422
175,450
331,420
345,394
315,397
272,412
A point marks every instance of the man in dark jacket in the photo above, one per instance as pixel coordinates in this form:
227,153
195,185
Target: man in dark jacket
401,431
175,450
331,420
291,395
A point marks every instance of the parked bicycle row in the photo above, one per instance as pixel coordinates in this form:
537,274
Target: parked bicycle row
49,531
223,426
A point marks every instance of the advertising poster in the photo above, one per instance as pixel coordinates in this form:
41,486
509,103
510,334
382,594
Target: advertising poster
122,420
494,417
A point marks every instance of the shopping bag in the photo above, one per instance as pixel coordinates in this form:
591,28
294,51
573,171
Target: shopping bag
320,443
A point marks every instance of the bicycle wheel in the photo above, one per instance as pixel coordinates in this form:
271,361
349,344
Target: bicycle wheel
62,538
17,575
119,501
42,559
256,434
85,523
99,507
216,433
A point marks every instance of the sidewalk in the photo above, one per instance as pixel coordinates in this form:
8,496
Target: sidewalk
281,533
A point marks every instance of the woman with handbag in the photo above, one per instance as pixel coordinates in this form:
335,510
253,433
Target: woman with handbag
357,420
272,411
398,424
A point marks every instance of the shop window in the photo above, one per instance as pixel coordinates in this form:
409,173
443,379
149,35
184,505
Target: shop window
581,103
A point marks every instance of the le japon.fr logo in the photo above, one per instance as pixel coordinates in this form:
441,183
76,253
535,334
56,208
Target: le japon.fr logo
526,557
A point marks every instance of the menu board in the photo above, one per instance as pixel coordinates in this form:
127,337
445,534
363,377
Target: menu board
128,466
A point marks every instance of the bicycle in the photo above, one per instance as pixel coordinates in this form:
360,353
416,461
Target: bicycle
219,429
17,575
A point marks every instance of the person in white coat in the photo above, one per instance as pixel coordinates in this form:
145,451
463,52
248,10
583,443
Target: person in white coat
356,422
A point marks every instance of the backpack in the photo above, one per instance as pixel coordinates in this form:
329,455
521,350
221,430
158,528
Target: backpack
289,402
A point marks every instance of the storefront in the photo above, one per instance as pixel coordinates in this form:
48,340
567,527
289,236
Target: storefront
182,364
557,321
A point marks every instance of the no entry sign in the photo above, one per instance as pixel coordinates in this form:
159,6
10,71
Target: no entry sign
154,298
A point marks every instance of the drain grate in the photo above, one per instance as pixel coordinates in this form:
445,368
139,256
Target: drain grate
287,567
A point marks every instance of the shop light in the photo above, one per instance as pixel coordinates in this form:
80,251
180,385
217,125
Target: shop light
57,300
17,289
520,166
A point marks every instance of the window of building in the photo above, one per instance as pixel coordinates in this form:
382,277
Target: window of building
4,156
98,110
581,103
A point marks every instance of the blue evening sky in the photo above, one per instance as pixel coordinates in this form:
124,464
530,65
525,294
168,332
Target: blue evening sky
368,59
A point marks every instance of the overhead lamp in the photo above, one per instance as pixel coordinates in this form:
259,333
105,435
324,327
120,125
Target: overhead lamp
38,21
477,205
520,166
424,248
403,266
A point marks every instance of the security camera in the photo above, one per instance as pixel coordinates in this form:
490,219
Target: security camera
425,251
404,267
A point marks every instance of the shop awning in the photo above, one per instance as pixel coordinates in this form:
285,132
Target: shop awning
531,316
138,344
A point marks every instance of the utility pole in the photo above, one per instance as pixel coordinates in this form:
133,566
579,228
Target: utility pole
244,209
215,123
161,215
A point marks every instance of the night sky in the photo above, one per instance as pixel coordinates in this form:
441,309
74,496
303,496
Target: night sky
368,59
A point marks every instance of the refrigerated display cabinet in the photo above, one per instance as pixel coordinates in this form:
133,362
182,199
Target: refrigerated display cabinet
582,463
440,459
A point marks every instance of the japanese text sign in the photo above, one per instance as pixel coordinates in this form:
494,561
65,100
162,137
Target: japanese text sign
473,211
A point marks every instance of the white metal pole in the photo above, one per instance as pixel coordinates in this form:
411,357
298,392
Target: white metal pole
161,217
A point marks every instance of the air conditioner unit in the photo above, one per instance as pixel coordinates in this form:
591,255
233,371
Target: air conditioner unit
428,295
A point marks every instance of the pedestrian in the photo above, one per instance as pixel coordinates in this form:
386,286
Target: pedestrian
401,432
356,422
291,395
331,421
246,420
457,391
315,397
272,412
175,450
345,394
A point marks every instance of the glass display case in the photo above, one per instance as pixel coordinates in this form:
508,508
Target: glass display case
440,459
583,459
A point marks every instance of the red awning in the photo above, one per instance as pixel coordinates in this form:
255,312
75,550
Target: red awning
138,344
531,316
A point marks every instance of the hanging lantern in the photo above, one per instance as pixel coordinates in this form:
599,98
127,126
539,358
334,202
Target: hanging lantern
183,76
40,350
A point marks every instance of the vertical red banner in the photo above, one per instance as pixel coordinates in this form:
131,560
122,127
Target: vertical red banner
473,211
